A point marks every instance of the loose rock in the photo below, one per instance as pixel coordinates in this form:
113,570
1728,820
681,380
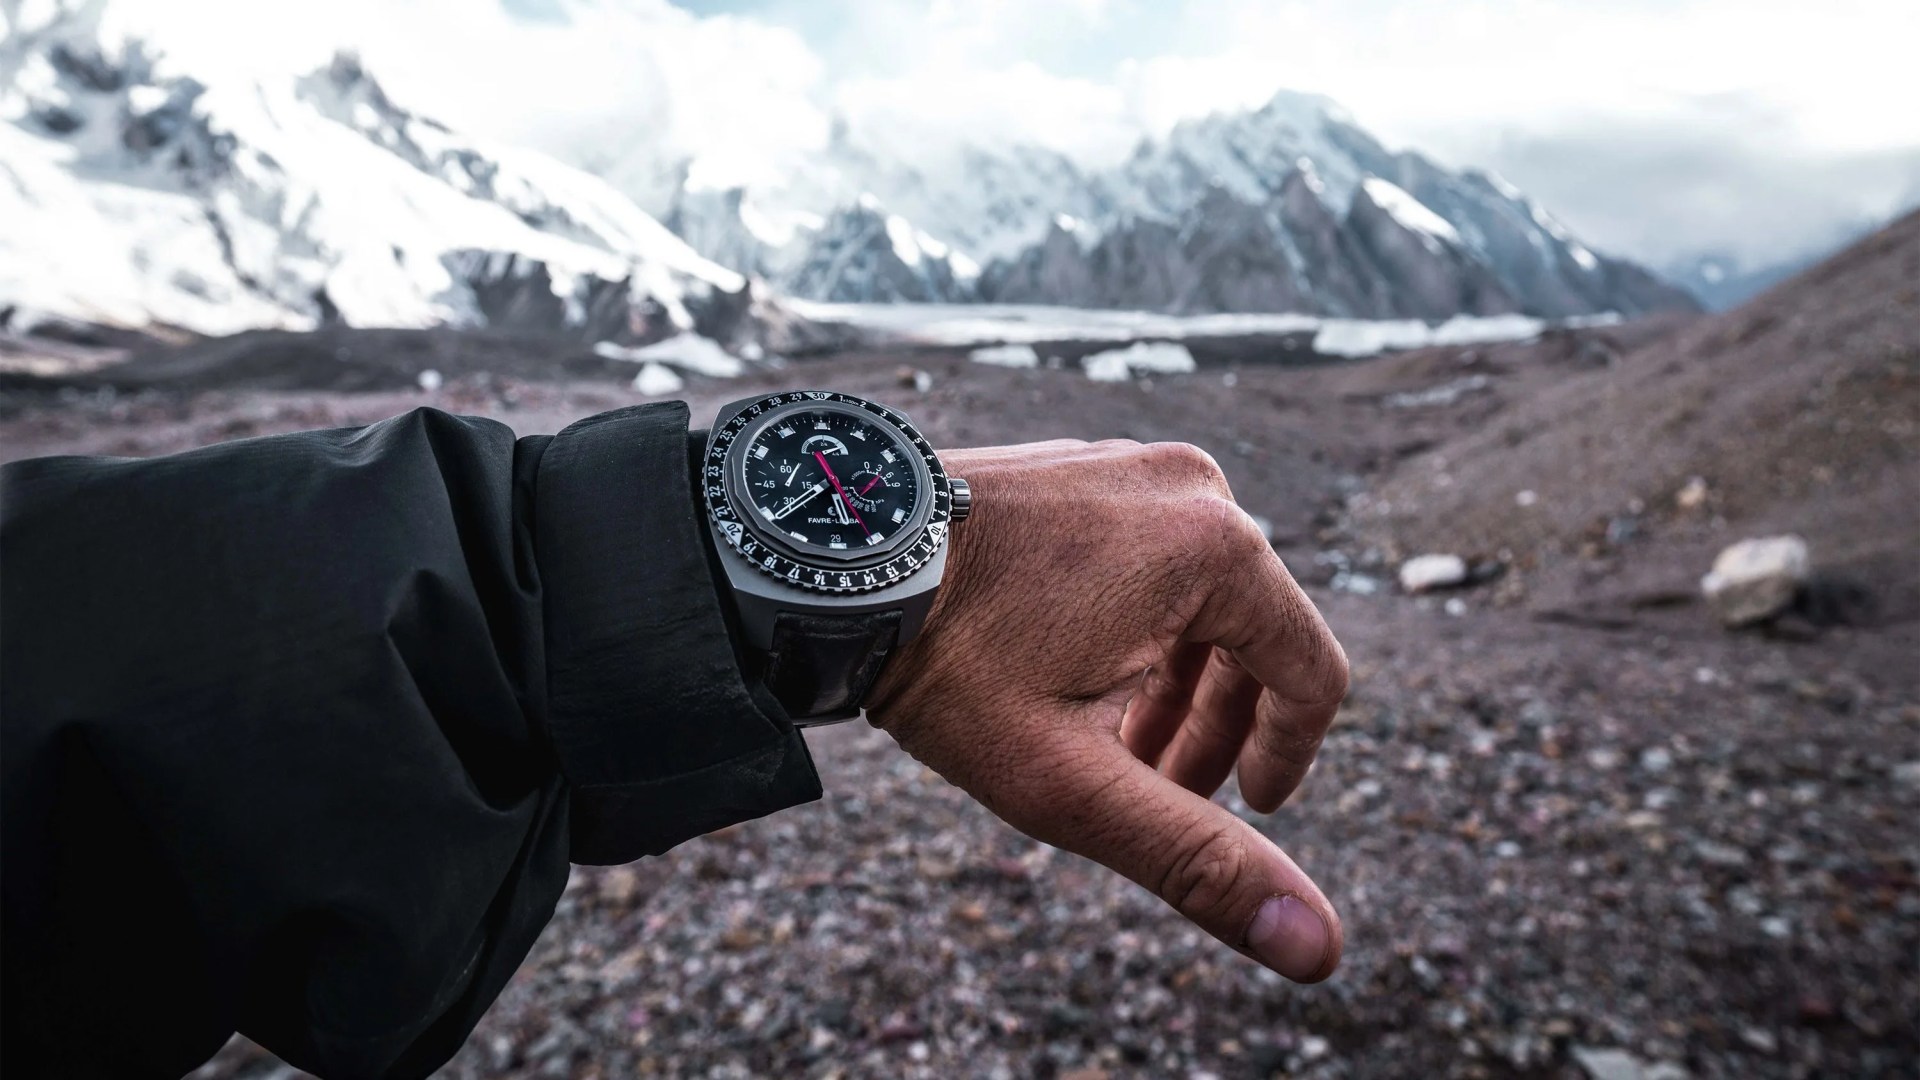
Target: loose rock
1603,1063
1754,580
1424,573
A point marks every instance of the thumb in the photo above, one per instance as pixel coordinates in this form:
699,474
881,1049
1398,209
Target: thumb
1211,866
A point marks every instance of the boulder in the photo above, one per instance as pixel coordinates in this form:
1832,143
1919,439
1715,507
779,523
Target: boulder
1756,579
1424,573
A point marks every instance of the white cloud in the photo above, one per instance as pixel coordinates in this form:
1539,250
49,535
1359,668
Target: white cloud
739,94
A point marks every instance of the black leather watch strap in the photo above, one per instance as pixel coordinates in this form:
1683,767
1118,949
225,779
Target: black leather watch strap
821,666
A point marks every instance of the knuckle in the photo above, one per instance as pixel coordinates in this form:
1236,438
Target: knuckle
1339,674
1206,875
1332,675
1293,748
1235,541
1186,462
1159,686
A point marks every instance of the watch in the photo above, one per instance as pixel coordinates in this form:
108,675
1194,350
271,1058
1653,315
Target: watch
830,515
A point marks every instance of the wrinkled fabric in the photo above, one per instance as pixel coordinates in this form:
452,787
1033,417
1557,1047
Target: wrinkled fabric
299,734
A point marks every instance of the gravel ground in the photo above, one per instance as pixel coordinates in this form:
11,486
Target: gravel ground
1561,849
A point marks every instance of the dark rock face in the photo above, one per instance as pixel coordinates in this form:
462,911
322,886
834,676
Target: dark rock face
1421,275
1328,254
1290,254
516,294
1294,252
864,254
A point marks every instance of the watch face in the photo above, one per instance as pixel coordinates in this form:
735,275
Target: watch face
827,492
832,480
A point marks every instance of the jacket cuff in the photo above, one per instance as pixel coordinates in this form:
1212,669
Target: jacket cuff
658,736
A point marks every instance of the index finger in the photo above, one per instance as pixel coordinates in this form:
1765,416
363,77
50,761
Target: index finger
1212,867
1260,614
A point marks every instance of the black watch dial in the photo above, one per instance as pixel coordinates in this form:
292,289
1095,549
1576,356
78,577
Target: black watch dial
827,492
831,480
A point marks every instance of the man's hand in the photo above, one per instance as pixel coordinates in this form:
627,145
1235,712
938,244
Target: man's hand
1081,567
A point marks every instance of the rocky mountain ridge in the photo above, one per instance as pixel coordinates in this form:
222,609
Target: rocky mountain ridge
1278,208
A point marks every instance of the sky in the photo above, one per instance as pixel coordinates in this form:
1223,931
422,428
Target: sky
1763,129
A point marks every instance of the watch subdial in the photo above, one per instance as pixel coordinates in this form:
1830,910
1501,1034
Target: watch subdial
867,488
825,444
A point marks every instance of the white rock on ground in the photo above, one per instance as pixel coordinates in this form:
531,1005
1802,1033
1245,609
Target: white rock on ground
1423,573
687,351
1013,356
656,380
1756,579
1606,1063
1142,357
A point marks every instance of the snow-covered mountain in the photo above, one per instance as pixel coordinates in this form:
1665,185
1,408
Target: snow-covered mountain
1291,206
136,194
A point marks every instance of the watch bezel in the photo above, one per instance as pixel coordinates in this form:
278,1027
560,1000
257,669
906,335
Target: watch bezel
894,561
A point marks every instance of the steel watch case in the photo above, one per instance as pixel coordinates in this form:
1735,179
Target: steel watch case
758,597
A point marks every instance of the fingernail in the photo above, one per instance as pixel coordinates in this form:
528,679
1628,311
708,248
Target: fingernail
1289,937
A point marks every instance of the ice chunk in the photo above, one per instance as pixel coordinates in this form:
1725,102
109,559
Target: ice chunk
688,352
1142,357
657,380
1365,337
1013,356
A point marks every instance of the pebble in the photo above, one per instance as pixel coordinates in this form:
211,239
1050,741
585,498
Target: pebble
1424,573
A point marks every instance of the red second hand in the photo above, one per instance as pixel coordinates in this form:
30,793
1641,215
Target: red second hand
842,492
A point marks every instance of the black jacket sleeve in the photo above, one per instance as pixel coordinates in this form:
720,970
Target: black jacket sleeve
300,733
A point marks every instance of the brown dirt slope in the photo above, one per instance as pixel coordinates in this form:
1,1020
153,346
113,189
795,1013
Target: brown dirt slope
1800,411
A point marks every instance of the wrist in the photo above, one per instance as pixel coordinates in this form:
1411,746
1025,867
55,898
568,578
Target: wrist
966,548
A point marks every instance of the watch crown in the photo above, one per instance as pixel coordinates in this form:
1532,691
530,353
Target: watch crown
962,498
